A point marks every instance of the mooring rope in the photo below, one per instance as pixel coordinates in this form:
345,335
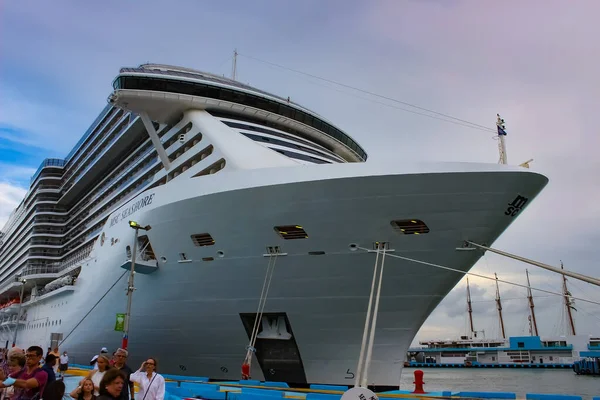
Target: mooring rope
363,345
482,276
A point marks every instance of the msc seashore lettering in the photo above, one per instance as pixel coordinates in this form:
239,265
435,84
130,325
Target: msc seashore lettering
138,205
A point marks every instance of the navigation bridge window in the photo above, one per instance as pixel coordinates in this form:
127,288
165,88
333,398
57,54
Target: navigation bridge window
235,96
410,226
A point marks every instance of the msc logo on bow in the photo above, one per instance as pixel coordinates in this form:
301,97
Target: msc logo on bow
517,205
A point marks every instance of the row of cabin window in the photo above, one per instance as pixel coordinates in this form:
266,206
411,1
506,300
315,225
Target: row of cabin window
310,147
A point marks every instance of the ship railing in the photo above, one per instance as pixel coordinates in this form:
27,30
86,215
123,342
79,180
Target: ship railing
55,268
103,146
8,282
103,128
14,318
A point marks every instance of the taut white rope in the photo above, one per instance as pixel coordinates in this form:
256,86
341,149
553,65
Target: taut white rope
374,323
367,323
261,306
483,276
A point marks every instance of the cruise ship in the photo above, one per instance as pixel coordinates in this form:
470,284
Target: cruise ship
230,178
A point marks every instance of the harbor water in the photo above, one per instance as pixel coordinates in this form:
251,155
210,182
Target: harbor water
519,381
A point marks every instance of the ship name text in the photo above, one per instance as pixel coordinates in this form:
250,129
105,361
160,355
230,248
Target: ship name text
517,204
138,205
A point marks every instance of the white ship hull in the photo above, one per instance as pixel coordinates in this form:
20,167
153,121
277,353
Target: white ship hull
188,314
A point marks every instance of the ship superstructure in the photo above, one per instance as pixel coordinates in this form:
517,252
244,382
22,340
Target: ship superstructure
233,180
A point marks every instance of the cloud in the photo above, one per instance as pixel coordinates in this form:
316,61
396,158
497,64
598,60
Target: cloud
10,196
466,59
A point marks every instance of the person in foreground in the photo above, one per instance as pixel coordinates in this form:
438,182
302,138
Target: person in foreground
111,385
29,383
152,384
128,392
54,391
85,390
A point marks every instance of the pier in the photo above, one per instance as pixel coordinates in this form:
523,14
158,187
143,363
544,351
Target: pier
179,387
589,364
483,365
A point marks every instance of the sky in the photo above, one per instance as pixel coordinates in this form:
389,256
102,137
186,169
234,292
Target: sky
533,62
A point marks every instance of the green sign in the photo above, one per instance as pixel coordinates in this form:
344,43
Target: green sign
120,323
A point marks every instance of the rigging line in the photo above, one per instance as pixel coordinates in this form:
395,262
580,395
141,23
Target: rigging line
367,92
405,109
223,63
508,299
93,307
482,276
591,315
579,288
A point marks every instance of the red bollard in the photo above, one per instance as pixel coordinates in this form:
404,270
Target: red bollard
245,371
419,382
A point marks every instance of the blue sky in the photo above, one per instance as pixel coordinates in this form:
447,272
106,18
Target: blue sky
535,63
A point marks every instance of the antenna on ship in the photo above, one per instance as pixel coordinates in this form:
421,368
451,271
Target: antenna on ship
470,310
533,329
501,128
234,65
569,303
499,307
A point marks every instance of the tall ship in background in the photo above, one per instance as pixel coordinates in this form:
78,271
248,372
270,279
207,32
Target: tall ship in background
533,351
232,181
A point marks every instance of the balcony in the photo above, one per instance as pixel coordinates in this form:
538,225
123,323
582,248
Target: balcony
12,321
130,134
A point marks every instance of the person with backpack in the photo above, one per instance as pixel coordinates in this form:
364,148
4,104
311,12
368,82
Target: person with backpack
48,366
31,380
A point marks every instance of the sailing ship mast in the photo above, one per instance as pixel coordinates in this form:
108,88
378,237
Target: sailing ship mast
470,310
533,323
569,304
499,307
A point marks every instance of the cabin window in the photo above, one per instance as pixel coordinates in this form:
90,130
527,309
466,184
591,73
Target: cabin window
520,345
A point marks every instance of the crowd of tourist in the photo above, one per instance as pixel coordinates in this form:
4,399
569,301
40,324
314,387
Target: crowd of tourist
28,375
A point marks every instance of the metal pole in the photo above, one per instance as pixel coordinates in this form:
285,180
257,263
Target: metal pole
130,289
570,274
14,342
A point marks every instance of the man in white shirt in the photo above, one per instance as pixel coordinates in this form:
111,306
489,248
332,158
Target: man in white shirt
63,364
94,361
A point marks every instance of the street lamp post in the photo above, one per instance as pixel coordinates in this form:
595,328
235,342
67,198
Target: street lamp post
130,288
14,342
